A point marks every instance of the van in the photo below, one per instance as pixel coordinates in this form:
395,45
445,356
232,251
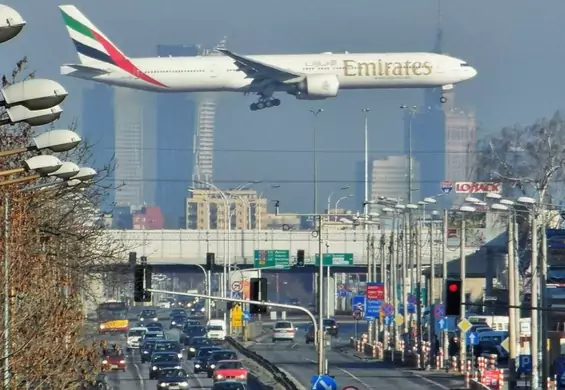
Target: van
495,336
216,330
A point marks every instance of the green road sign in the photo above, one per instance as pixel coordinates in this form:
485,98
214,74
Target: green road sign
329,259
271,259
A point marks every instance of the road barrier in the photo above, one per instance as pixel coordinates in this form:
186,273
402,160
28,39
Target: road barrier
279,376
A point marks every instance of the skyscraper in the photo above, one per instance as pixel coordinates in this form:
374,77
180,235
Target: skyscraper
443,136
97,129
176,129
134,123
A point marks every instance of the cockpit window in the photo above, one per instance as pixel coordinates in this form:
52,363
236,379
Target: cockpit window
465,65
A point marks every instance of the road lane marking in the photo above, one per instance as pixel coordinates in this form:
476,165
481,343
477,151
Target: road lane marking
430,381
139,375
355,378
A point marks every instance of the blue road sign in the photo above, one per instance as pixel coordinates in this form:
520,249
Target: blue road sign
411,308
373,308
441,323
472,338
411,299
236,294
388,309
446,186
342,293
525,364
439,310
323,382
246,315
559,370
388,320
358,303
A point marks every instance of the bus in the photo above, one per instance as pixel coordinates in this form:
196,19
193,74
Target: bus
112,317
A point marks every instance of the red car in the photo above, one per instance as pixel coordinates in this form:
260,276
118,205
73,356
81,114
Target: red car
230,370
114,360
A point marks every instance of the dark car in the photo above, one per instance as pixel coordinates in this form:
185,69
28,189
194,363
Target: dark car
154,325
331,327
229,385
168,346
191,331
161,361
215,357
146,349
148,315
192,322
177,321
172,378
177,312
195,343
201,358
310,335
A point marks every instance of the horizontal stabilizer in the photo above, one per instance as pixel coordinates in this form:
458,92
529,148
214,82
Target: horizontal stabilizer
71,68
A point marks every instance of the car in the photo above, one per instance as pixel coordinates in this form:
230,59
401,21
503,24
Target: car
114,360
148,315
230,370
168,346
229,385
172,378
164,304
177,312
195,343
310,335
188,332
134,337
216,329
163,360
190,322
216,356
146,349
201,358
177,321
152,334
154,326
283,330
331,327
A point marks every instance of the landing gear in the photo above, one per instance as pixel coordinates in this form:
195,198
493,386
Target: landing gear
443,99
265,103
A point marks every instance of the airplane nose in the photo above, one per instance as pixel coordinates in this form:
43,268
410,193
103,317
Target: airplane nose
472,72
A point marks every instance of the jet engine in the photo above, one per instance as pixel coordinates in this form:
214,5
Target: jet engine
318,87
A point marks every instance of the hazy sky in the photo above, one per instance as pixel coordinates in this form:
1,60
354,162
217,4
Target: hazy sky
516,46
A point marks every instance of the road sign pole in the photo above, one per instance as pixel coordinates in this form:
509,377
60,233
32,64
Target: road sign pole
462,276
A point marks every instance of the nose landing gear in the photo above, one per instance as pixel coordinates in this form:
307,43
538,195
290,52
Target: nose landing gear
442,99
265,103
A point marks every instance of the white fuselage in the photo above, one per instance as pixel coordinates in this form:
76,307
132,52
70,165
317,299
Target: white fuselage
354,71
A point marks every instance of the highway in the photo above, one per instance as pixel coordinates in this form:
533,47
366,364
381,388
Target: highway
136,377
299,360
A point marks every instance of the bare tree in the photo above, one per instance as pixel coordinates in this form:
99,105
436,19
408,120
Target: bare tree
55,244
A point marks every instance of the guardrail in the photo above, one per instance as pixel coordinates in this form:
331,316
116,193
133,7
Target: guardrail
279,376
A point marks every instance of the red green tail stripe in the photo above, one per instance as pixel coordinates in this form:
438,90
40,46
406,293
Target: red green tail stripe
117,58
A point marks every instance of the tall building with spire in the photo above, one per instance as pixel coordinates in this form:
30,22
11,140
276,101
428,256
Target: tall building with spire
443,135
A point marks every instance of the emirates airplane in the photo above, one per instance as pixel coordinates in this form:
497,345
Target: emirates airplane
306,76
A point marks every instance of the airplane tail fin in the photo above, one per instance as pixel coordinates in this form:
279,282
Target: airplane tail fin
93,47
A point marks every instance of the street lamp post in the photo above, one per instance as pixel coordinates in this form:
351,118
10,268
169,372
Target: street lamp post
330,199
366,162
315,113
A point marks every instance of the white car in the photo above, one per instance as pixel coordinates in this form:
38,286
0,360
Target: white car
134,337
284,330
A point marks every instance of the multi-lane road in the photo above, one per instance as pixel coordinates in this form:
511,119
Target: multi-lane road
136,376
299,360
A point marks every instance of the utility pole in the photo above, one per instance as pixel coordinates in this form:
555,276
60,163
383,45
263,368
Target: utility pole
321,357
535,282
462,275
7,298
444,276
544,303
393,274
315,112
431,303
419,293
404,271
511,302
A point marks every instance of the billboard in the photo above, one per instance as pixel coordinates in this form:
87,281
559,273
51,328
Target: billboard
477,187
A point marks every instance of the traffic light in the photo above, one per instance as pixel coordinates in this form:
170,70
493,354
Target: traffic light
210,261
258,292
141,283
453,295
300,258
132,258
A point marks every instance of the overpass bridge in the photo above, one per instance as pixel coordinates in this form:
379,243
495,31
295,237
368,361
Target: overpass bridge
189,247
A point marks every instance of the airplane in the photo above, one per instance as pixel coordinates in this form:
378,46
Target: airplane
305,76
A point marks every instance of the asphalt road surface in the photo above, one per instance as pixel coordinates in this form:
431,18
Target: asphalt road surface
136,376
299,360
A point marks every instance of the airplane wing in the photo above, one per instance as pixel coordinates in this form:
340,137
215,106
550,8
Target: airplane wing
257,70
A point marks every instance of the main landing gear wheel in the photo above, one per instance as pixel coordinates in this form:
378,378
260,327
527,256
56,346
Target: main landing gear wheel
443,99
261,104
